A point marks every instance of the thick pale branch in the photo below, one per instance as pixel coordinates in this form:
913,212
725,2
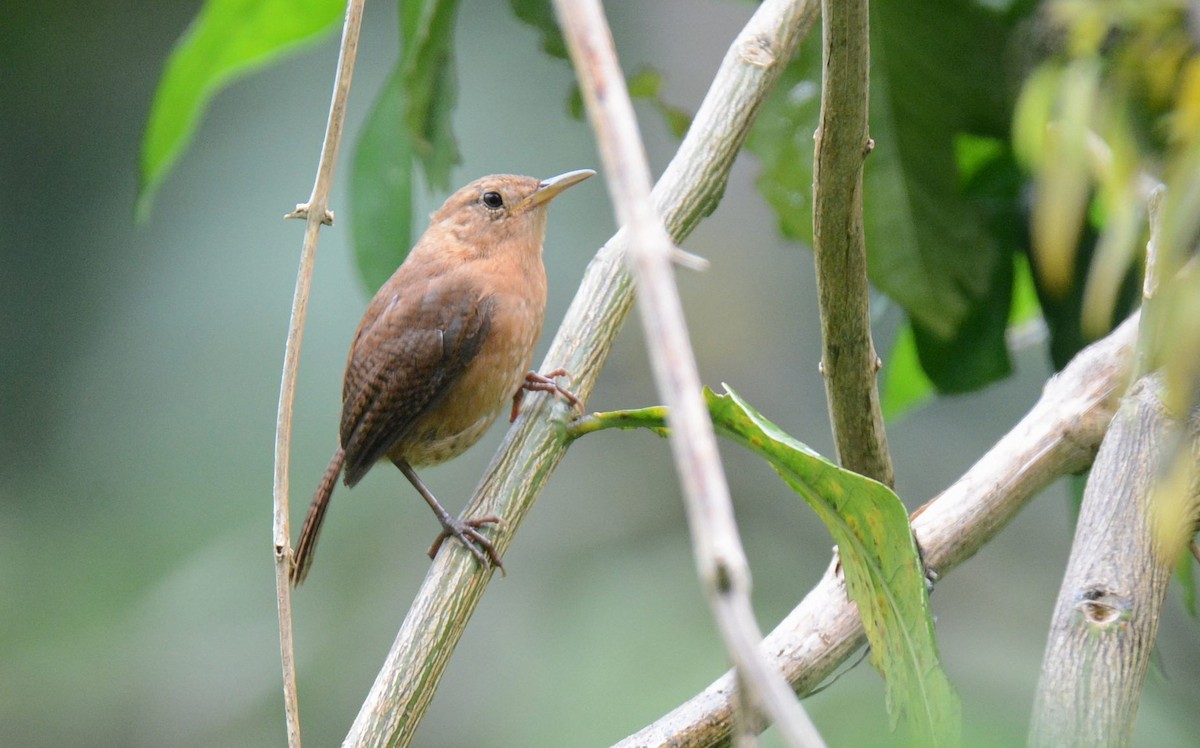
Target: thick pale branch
689,190
848,359
720,558
316,212
1106,617
1059,436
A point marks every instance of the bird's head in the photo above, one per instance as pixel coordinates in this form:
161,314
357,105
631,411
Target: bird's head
501,208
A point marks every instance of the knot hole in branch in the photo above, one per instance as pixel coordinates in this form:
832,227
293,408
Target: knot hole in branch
1103,609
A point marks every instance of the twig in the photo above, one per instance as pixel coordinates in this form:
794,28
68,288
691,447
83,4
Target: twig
316,212
1059,436
688,191
848,358
1150,334
720,559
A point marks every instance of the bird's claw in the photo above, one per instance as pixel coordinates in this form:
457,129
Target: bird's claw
544,383
467,533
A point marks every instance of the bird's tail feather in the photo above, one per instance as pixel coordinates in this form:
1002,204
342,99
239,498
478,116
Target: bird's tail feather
307,544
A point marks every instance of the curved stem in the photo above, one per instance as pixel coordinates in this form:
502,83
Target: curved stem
316,212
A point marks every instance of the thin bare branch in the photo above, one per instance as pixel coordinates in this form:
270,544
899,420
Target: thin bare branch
689,190
1059,436
720,559
848,359
316,212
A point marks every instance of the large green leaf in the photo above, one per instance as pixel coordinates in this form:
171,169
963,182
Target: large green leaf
227,39
906,385
883,571
410,121
935,76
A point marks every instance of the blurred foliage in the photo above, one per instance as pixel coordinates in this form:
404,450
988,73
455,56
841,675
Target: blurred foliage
227,40
409,124
976,107
937,213
1108,124
1112,111
645,84
884,573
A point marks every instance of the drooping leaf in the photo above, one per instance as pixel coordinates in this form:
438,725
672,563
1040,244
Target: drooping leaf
883,570
227,39
884,573
410,122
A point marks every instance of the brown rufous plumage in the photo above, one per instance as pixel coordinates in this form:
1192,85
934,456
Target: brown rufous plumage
445,346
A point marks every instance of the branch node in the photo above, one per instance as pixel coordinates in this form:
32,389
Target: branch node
301,211
758,51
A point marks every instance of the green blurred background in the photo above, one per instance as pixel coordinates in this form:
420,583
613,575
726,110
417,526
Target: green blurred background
139,372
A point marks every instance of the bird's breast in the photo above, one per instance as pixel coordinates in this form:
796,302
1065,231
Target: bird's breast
488,383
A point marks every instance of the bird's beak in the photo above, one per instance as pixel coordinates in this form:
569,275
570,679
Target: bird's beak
548,189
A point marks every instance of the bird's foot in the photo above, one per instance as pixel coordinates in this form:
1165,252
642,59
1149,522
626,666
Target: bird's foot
544,383
467,532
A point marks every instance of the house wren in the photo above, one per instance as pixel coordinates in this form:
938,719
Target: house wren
443,347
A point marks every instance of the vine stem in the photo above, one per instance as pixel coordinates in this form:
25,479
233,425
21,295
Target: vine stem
848,360
316,214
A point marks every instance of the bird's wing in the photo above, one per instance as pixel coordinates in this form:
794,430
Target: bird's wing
407,353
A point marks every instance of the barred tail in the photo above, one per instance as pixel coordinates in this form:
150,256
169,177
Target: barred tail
307,545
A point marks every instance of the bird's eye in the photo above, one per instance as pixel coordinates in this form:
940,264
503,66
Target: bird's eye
493,200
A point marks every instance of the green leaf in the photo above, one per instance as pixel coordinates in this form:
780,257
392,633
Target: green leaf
884,573
381,188
977,354
540,15
427,33
782,139
410,121
934,76
905,385
227,40
883,570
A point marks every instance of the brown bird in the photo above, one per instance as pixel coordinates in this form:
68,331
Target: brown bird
443,347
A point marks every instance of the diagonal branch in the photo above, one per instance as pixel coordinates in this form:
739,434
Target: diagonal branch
689,190
720,558
1059,436
848,358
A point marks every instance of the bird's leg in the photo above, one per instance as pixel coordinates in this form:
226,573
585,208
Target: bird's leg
543,383
466,530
